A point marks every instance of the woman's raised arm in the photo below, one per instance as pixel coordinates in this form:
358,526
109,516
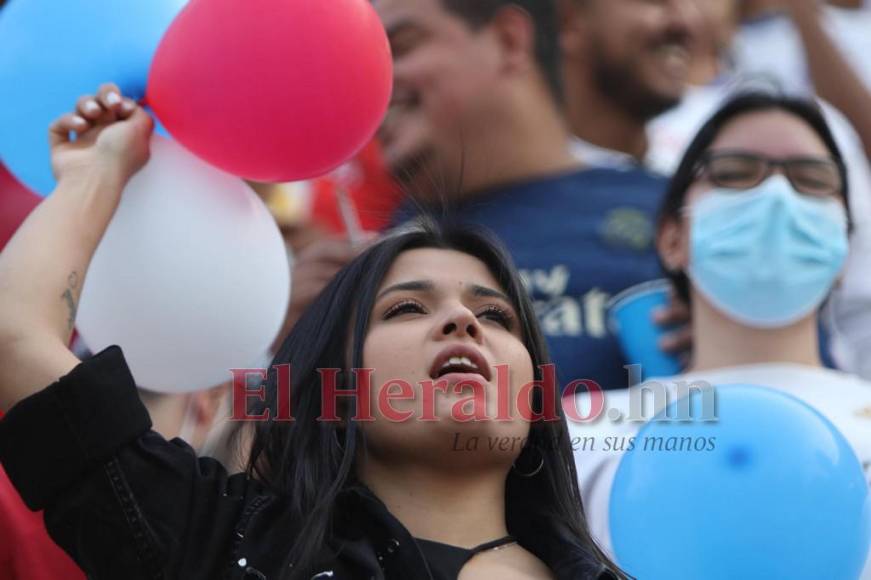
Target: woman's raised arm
43,267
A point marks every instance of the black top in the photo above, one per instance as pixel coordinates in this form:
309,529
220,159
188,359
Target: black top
445,561
125,503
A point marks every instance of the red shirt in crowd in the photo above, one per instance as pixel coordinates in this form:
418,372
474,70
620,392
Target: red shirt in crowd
26,550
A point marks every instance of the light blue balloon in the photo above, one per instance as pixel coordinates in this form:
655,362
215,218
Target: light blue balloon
54,51
781,495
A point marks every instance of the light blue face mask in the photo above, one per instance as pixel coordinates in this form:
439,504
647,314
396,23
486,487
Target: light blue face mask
768,256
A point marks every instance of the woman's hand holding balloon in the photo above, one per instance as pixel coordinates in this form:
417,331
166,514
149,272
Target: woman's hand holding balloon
42,269
111,139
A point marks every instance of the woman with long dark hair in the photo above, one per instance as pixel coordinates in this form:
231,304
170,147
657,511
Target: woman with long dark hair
453,480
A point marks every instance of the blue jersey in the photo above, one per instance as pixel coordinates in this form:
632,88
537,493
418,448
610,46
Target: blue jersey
578,239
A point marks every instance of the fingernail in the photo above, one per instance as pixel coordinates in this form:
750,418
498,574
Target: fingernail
92,107
79,121
128,105
113,98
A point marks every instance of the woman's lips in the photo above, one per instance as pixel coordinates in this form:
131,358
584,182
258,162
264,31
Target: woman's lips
479,368
453,379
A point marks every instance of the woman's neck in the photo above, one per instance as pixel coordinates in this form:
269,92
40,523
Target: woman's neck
459,509
719,341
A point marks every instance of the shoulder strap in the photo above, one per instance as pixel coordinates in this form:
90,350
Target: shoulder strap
491,545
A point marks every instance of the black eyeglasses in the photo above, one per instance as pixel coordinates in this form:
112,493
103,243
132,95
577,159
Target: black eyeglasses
815,176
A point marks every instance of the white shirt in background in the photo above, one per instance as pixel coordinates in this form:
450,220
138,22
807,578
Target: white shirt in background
771,46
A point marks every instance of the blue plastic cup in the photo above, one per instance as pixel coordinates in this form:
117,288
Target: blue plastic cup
631,320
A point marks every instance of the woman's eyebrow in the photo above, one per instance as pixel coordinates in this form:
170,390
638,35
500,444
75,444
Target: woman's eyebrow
413,286
483,291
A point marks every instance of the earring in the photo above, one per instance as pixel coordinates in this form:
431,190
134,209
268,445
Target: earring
532,473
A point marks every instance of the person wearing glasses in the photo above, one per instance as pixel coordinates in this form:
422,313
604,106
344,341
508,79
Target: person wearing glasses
754,234
719,72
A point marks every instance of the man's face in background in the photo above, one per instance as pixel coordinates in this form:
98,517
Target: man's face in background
445,78
638,51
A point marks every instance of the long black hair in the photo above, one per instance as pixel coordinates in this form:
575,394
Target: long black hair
303,460
742,104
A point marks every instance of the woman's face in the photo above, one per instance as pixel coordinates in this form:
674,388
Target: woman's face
777,135
441,317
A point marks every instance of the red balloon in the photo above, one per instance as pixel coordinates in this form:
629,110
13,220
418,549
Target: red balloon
273,90
16,203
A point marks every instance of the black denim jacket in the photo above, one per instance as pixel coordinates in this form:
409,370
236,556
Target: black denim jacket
128,505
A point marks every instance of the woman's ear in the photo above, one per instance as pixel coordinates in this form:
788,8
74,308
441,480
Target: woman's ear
672,243
840,278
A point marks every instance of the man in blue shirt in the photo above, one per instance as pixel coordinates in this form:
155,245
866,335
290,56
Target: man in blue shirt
476,124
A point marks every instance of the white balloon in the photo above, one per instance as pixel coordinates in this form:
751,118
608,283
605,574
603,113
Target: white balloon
191,278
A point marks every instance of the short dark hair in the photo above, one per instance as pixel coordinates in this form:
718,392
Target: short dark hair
741,104
543,13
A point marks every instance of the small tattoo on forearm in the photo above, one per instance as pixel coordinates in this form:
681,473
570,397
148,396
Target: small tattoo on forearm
70,299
